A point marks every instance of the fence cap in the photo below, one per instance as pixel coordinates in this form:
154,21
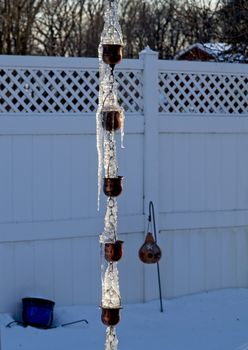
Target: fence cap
148,51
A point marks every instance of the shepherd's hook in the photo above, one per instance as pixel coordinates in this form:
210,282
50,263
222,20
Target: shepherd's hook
150,217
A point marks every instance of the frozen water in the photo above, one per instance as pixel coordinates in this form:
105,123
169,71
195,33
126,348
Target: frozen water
107,159
110,222
111,31
108,88
110,161
110,288
111,339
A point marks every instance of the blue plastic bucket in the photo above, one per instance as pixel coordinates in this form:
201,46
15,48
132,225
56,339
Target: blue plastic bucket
37,312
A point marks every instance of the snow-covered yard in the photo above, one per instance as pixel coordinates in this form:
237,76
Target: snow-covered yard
207,321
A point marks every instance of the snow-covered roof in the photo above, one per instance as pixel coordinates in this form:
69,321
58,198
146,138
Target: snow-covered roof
220,52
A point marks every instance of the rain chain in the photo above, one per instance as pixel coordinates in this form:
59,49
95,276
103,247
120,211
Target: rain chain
109,118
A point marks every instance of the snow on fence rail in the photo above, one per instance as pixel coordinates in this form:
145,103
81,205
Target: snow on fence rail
186,150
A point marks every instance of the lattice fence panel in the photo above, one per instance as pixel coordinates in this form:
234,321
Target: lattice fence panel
203,93
56,90
130,90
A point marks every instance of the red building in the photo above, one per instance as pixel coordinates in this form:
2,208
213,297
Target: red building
202,52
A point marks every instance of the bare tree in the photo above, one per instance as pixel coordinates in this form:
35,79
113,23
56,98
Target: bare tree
167,26
70,28
54,25
199,21
134,19
73,27
93,25
149,23
16,21
234,19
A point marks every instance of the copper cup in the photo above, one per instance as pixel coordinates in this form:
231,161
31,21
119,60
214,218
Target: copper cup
110,317
112,53
111,120
113,251
112,187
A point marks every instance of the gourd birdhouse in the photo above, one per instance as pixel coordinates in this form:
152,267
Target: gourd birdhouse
150,253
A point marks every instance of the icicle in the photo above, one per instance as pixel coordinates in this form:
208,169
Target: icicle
99,131
111,339
99,145
122,128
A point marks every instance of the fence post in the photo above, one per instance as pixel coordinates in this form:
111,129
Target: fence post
151,151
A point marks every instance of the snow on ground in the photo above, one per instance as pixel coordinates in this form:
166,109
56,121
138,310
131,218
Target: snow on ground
208,321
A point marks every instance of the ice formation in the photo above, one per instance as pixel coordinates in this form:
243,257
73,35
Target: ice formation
110,288
111,31
107,160
111,339
107,86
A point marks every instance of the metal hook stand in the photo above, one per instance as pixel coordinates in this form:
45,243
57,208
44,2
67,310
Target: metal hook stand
151,217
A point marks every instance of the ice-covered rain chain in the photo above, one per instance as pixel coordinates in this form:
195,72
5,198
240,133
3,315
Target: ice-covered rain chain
109,118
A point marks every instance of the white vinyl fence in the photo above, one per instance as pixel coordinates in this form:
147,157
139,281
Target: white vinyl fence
186,149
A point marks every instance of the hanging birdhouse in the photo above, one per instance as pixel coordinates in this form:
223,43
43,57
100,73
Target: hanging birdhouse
110,316
112,53
150,252
112,187
113,251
